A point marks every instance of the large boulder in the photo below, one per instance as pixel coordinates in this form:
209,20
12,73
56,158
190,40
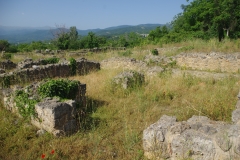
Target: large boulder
129,79
55,116
198,138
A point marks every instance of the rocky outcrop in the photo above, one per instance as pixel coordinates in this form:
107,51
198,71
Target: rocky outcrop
197,138
128,79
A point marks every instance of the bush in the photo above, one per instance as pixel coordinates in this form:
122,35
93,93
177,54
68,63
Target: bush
62,88
154,52
73,66
25,105
7,56
52,60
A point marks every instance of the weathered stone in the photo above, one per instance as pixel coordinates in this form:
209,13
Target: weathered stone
7,65
129,79
223,141
237,146
197,138
236,115
41,72
2,71
213,61
179,127
154,137
193,144
157,131
154,70
53,115
41,132
207,130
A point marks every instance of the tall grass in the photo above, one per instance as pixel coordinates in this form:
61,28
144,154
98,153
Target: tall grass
118,119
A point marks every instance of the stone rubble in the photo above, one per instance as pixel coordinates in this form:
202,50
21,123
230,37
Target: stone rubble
197,138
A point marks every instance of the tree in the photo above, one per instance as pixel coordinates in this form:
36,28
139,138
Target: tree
62,37
73,33
209,18
4,45
158,33
73,38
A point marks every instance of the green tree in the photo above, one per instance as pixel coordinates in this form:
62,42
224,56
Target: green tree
73,33
91,40
4,45
209,18
73,38
158,33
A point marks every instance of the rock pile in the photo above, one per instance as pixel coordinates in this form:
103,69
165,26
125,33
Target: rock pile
7,65
129,79
197,138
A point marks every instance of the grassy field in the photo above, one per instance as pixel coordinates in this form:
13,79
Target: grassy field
114,120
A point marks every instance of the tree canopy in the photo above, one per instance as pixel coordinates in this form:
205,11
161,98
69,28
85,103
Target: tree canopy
210,18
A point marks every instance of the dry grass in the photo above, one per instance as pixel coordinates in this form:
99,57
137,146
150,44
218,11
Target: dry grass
116,119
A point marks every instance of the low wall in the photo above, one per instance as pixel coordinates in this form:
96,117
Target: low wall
197,138
47,71
210,61
55,116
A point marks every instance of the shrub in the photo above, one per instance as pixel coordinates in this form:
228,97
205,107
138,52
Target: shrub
62,88
52,60
25,105
7,56
73,66
154,52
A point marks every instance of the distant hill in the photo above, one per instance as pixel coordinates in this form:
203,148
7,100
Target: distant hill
28,34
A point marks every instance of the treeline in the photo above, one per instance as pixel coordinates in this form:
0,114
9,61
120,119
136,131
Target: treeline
202,19
68,39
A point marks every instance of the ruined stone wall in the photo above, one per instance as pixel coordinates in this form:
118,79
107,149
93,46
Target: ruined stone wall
52,115
210,61
197,138
48,71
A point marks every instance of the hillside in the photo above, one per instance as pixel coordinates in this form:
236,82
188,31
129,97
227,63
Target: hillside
27,34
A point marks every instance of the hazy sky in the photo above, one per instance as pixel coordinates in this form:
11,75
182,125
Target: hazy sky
87,14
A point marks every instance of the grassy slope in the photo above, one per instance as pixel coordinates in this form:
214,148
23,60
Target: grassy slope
115,120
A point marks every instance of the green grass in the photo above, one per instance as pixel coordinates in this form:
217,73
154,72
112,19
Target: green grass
115,120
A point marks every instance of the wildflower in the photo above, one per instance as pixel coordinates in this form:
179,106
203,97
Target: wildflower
43,156
52,152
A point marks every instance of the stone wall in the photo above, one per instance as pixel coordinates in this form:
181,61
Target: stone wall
52,115
7,65
37,73
197,138
210,61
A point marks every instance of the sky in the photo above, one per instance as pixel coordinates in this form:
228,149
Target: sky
87,14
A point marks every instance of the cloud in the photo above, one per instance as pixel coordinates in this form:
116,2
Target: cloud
22,13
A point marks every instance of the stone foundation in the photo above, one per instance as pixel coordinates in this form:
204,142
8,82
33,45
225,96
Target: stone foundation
197,138
210,61
38,73
52,115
